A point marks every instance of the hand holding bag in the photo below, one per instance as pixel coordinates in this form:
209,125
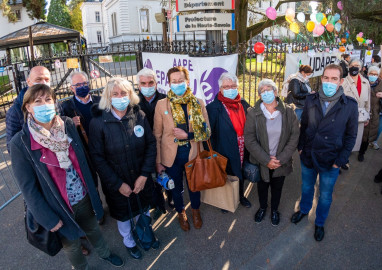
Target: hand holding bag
45,240
207,170
141,230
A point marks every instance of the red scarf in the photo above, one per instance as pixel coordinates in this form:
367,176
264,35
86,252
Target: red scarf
359,85
236,112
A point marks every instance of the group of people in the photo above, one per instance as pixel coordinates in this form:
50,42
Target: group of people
59,151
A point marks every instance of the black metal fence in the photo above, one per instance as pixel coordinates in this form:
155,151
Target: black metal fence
125,60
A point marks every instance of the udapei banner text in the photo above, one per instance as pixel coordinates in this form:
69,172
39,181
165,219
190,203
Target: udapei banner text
204,71
317,60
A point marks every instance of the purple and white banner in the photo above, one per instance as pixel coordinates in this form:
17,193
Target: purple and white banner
204,71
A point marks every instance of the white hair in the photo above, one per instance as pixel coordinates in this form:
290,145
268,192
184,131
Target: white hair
373,68
123,85
75,73
266,82
228,76
147,73
356,60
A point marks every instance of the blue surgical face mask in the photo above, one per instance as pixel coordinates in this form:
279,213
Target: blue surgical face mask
268,96
179,88
120,103
373,78
148,91
329,88
82,91
230,93
44,113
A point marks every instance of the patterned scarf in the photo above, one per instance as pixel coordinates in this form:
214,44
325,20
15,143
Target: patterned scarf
54,139
199,126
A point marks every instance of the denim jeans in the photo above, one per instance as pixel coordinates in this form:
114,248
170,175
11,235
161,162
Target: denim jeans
328,179
298,113
176,173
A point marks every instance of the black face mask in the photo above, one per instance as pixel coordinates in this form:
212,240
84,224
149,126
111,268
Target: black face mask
354,71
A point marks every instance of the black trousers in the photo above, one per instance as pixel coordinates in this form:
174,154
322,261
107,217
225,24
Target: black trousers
276,184
363,148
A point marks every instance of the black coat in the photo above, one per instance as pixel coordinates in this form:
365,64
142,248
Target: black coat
39,191
68,108
345,68
327,140
149,108
224,137
120,156
297,92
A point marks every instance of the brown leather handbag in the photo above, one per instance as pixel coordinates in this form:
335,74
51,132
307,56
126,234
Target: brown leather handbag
207,170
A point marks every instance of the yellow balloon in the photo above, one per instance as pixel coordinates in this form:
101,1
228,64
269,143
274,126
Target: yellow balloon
294,27
368,53
310,26
289,18
359,39
324,21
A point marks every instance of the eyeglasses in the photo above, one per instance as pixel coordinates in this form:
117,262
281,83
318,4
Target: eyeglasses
80,84
226,87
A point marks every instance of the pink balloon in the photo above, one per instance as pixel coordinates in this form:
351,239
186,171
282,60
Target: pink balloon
370,41
339,5
360,34
319,29
271,13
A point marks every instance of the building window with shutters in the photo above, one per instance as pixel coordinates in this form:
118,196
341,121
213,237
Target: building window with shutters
144,18
99,37
97,16
114,23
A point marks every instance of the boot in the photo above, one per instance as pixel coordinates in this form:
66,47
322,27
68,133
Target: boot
183,221
196,218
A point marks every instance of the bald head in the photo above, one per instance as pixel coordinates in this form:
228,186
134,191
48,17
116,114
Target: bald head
38,75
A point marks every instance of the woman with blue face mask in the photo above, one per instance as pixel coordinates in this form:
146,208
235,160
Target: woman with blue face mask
358,87
227,115
49,163
370,133
123,150
180,123
271,136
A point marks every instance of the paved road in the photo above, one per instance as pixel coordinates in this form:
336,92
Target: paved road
353,237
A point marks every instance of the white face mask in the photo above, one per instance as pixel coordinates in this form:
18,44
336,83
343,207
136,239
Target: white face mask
46,83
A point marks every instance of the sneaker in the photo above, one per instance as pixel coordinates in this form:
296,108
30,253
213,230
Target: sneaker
114,260
375,145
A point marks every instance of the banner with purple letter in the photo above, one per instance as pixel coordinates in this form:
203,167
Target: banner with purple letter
204,71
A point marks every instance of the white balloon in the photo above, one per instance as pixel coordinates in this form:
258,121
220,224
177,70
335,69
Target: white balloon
313,17
301,17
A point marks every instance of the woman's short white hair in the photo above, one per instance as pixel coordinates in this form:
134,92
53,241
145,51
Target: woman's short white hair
147,73
228,76
373,68
267,82
356,60
123,85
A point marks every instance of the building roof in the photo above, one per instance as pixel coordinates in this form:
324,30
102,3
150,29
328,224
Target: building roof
42,32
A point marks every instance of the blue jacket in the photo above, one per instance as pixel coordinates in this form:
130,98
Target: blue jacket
327,140
224,137
40,193
15,119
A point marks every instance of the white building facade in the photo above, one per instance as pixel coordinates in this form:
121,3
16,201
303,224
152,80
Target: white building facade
116,21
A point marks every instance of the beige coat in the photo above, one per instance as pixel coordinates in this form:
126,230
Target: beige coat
163,131
350,89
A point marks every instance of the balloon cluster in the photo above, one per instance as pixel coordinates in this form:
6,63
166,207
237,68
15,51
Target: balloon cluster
319,22
362,40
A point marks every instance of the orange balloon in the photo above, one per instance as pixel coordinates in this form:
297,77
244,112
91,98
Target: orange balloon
330,27
342,49
343,40
310,26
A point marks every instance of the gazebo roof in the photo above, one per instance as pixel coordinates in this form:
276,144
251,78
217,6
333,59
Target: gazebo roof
42,32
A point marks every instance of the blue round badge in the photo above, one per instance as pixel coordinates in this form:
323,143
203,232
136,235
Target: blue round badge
139,131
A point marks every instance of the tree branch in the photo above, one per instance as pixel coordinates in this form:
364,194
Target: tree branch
294,1
257,12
